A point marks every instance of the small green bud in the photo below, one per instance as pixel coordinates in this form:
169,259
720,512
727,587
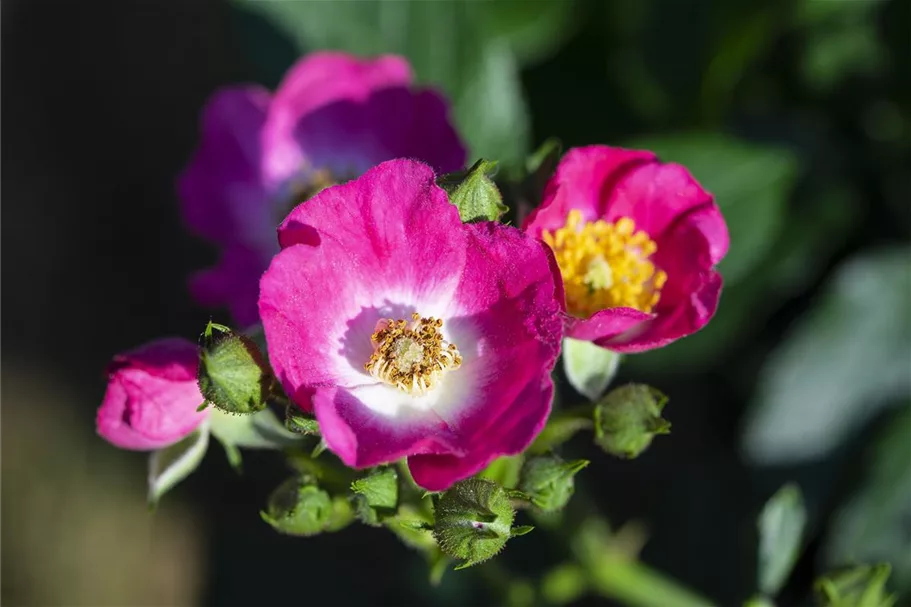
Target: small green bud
474,193
233,374
298,507
628,418
548,481
474,521
863,586
377,495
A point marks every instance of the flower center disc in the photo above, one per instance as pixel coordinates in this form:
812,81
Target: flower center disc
412,356
605,265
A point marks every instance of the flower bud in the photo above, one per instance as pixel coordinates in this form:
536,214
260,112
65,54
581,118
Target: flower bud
474,521
548,481
298,507
233,374
151,399
628,418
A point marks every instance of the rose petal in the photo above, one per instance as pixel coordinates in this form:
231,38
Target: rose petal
583,181
317,80
220,190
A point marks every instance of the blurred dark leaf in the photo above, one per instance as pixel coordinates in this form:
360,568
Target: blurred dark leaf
469,49
750,183
842,364
781,524
841,39
811,235
873,525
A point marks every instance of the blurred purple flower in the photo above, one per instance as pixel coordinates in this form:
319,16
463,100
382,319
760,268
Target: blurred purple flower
332,117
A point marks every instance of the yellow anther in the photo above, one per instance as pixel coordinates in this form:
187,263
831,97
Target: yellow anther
412,356
605,265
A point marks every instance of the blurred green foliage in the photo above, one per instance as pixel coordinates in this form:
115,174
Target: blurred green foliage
795,115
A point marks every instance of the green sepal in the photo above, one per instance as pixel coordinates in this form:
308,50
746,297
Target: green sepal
300,424
521,530
170,465
628,418
474,193
548,481
376,496
473,521
233,375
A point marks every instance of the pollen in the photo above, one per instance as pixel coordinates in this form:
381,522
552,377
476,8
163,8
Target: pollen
411,355
605,265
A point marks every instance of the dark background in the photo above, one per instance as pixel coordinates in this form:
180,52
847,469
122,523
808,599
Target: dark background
100,102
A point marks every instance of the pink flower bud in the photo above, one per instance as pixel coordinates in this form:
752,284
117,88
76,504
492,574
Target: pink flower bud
152,396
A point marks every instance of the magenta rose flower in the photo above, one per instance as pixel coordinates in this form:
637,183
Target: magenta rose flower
637,241
332,117
152,396
408,333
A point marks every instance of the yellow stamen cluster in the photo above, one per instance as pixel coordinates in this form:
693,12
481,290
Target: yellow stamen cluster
412,356
605,265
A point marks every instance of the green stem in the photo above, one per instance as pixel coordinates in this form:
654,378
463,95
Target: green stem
637,585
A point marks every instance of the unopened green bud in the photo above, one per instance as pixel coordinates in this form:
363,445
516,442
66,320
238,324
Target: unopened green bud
233,374
863,586
377,496
474,521
298,507
548,481
628,418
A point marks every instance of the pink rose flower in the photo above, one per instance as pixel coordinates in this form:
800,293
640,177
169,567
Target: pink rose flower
332,117
637,242
152,396
408,333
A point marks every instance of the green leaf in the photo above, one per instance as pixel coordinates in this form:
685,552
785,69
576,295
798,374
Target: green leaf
474,193
589,368
864,530
469,49
781,524
170,465
844,362
233,374
750,182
